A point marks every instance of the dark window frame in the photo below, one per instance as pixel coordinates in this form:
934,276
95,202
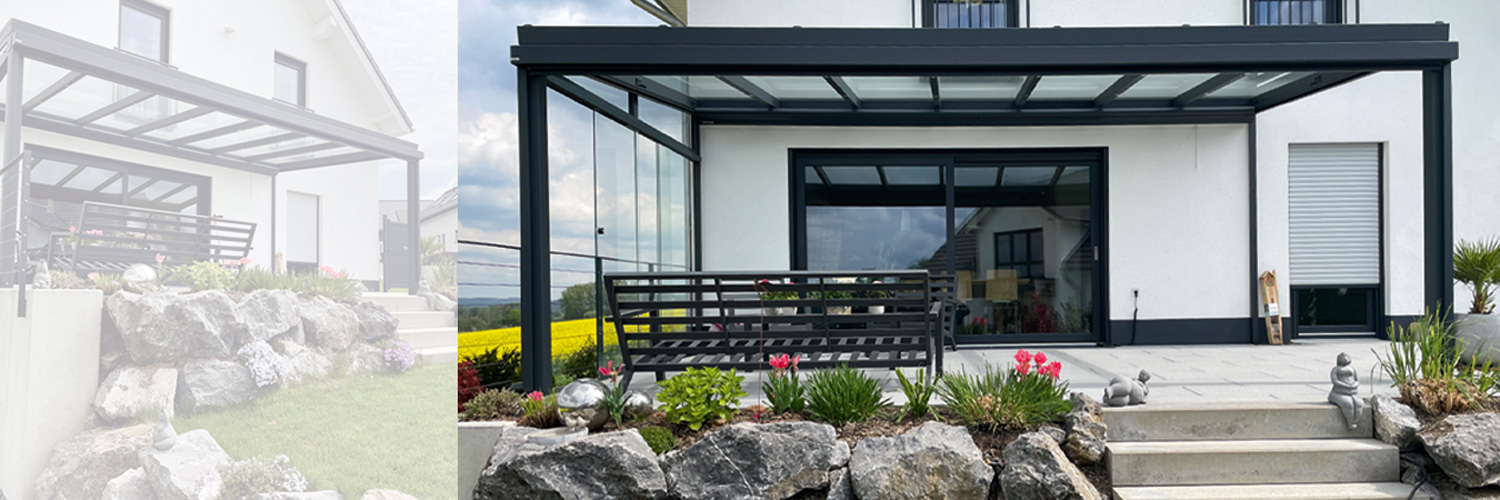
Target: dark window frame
1333,12
1373,313
152,10
301,68
1031,260
1012,9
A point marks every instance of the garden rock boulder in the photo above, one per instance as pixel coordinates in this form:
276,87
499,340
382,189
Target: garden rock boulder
1396,423
135,391
213,384
610,465
364,358
375,322
132,485
1467,447
1086,431
83,465
158,327
934,461
756,461
1037,469
328,324
269,313
189,470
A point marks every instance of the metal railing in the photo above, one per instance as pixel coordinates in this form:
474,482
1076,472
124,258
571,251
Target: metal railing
15,187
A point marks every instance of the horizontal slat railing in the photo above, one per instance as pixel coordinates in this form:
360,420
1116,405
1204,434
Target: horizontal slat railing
130,235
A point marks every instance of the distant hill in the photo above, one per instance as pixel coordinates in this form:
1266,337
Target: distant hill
493,301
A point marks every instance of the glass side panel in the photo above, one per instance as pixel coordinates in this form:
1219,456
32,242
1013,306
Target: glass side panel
646,217
1255,84
192,126
795,87
980,87
1072,87
615,205
890,87
852,176
1164,85
669,120
672,207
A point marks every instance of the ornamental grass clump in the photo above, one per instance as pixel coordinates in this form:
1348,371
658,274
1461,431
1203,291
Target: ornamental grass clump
918,391
841,395
540,410
1424,365
784,389
1030,393
700,395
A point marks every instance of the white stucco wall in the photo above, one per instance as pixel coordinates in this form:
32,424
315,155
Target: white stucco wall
446,224
1178,216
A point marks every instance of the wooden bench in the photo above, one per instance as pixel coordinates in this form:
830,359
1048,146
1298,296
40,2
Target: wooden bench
111,238
672,321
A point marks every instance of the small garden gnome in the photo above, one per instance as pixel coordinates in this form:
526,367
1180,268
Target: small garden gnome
1345,391
1123,391
163,436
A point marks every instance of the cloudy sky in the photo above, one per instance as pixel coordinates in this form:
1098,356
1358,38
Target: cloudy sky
412,41
489,199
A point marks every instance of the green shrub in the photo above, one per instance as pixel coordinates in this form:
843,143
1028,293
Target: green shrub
581,363
1423,364
204,275
918,393
660,439
493,404
1004,398
1477,264
700,395
244,480
842,395
309,283
497,369
540,410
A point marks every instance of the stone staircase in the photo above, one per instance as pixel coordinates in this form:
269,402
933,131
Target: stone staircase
434,334
1248,450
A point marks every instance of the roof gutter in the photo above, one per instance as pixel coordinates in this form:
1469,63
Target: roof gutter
659,13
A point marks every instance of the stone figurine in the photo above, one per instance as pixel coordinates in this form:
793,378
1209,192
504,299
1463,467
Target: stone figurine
163,436
1345,391
578,404
1124,392
42,278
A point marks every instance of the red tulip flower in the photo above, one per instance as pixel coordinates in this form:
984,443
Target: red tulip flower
1041,359
535,395
1023,358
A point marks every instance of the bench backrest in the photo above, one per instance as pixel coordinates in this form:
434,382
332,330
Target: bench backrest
740,309
132,235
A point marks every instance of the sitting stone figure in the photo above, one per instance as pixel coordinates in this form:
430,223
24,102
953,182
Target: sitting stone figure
1345,391
1123,391
163,437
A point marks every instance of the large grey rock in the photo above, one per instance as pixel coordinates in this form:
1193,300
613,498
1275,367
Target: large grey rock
1036,469
164,327
754,461
1396,423
306,495
187,471
610,465
364,358
302,364
268,313
1085,440
132,485
1467,447
934,461
1082,402
133,391
375,322
213,384
83,465
328,324
839,485
386,495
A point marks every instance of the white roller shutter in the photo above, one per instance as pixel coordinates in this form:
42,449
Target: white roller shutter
1334,208
301,227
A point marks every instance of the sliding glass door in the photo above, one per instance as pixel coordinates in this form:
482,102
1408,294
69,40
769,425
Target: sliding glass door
1021,227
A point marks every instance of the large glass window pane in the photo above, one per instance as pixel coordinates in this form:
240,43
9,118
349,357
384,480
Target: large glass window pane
615,206
672,208
143,30
646,216
867,238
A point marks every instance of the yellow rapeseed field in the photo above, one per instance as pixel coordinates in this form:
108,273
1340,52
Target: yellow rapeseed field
567,336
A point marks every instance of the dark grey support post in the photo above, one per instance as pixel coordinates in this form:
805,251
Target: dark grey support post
13,112
536,244
1437,187
414,222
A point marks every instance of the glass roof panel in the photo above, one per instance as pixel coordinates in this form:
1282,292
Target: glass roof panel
83,97
975,176
700,87
38,76
326,153
1165,85
152,109
1073,176
156,189
250,134
48,172
914,176
853,176
192,126
293,143
90,178
1072,87
115,187
980,87
890,87
1028,176
182,196
795,87
609,93
1255,84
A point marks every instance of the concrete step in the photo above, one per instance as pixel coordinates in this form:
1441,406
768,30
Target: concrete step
424,319
444,355
1324,491
1233,421
421,338
1259,461
397,301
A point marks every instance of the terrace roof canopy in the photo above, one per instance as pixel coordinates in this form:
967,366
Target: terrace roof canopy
961,77
68,86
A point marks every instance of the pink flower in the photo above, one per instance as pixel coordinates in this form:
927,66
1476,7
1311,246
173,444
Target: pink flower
1041,359
1053,369
1023,358
160,258
535,395
609,370
795,359
780,362
984,321
244,261
72,229
93,276
1023,368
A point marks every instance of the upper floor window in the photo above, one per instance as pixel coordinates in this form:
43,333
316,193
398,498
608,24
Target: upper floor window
143,29
291,81
970,13
1296,12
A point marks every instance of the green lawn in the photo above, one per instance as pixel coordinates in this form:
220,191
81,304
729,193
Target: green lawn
352,433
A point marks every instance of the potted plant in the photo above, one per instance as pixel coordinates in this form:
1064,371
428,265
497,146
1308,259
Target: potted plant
878,294
835,295
767,291
1476,264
